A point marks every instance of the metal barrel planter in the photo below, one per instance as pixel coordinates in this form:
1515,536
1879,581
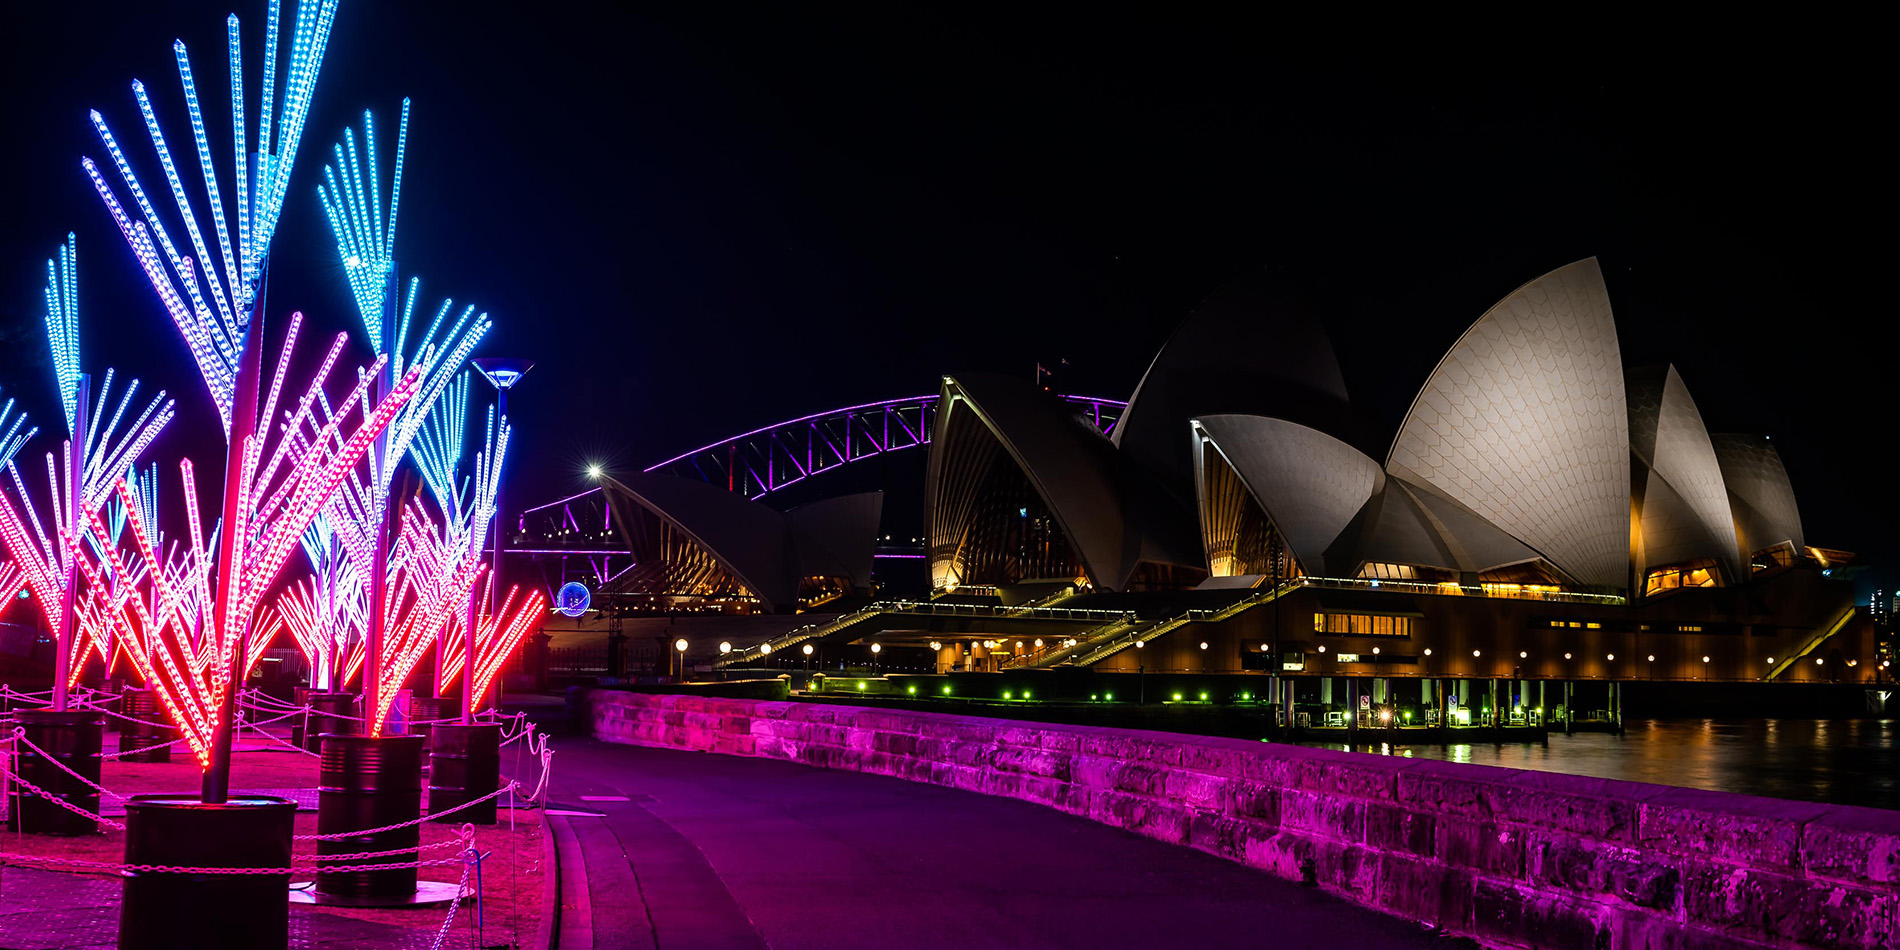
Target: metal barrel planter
145,728
111,696
330,714
71,739
423,711
368,782
464,765
300,696
174,910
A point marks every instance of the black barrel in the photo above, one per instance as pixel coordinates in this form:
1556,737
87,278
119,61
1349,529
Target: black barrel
464,764
111,692
423,710
142,705
71,738
368,782
163,910
330,714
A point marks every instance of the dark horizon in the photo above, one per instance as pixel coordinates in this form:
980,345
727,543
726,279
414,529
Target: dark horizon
702,221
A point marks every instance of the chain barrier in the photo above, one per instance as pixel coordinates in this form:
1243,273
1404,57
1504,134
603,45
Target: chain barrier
470,859
21,781
19,738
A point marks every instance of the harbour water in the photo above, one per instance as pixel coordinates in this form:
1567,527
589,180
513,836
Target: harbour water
1838,761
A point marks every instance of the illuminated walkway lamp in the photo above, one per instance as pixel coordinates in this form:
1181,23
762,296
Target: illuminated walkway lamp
503,373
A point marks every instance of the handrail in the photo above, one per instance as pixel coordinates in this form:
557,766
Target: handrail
915,608
1813,642
1161,628
1054,656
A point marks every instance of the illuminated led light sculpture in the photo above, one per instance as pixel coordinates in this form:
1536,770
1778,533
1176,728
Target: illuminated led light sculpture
365,232
327,612
185,620
497,631
211,303
12,579
79,477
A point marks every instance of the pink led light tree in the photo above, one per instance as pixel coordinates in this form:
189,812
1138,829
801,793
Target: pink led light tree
189,623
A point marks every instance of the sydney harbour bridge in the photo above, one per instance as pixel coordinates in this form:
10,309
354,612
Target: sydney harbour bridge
575,540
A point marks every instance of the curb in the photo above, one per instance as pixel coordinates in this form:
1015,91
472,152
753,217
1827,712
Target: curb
547,933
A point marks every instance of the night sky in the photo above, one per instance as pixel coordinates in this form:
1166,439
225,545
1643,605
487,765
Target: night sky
705,219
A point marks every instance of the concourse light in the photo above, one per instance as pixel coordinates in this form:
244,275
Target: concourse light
1139,644
912,690
1477,653
1817,661
1652,658
877,648
594,471
680,644
1428,651
1204,645
1705,659
1019,644
725,647
1263,647
1322,648
1177,697
1203,697
1109,696
1612,656
1375,650
1038,643
1566,656
765,648
808,649
1771,660
936,644
1523,655
946,689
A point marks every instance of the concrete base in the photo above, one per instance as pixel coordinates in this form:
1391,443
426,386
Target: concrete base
427,894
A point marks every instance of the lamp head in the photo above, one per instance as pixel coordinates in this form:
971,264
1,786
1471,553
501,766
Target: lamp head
503,371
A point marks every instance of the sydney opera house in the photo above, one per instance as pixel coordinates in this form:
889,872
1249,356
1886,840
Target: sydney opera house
1543,512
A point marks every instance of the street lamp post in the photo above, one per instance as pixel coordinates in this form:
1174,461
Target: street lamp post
679,648
503,373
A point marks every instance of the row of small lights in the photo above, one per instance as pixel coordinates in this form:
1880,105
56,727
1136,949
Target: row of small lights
1525,655
766,648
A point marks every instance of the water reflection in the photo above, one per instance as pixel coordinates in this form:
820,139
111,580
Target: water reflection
1848,762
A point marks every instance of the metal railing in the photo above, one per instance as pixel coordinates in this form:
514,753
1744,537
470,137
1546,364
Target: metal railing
1506,591
1813,642
916,608
1142,635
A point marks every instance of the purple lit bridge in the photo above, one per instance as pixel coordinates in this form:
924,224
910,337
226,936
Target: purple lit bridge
758,463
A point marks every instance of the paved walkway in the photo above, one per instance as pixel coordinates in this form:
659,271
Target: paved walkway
713,851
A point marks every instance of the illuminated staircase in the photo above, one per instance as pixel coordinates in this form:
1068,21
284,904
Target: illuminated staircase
1091,653
1811,644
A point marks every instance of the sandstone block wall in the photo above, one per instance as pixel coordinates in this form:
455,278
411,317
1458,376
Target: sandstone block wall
1512,858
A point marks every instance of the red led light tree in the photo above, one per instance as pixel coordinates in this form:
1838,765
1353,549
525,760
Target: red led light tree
189,623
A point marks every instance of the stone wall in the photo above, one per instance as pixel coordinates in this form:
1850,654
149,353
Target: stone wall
1512,858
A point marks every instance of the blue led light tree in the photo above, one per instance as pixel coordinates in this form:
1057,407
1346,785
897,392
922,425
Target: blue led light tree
365,231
